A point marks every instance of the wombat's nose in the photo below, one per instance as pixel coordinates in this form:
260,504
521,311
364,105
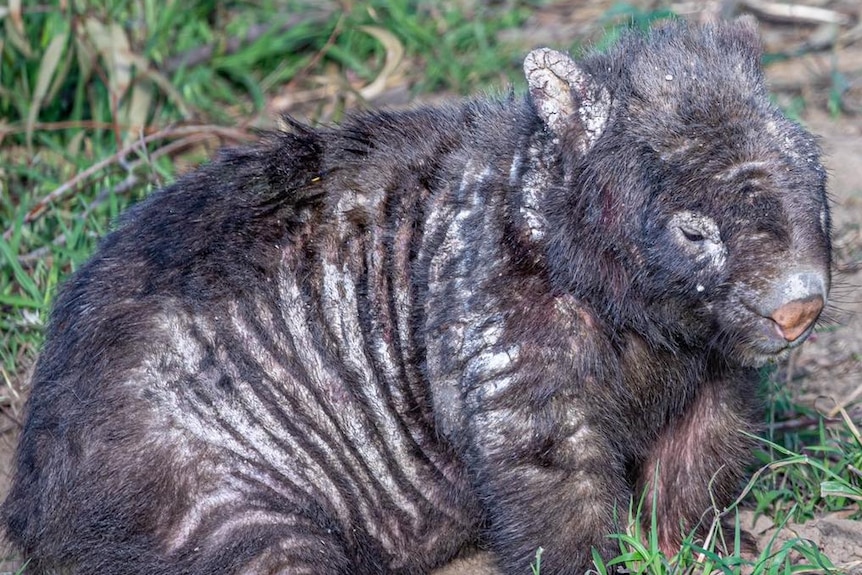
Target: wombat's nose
793,318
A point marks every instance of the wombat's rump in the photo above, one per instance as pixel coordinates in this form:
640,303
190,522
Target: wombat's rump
362,349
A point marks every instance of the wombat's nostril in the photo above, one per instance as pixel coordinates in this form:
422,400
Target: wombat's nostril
793,318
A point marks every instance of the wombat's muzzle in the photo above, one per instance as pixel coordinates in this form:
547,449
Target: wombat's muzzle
795,317
794,305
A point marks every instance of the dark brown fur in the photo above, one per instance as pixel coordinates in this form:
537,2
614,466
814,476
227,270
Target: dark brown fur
363,349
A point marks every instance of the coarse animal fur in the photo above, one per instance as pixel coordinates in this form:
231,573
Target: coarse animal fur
361,349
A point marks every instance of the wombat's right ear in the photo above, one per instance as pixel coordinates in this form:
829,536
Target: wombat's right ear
564,94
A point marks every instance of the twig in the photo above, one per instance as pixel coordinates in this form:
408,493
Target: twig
804,422
290,86
54,126
71,185
851,426
40,253
132,179
11,417
121,188
850,398
317,56
795,13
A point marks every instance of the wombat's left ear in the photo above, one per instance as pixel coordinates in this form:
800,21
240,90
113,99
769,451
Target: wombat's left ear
565,95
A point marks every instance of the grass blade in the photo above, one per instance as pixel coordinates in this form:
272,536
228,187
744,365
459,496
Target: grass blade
47,67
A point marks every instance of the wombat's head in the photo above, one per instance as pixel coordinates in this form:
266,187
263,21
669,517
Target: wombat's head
693,209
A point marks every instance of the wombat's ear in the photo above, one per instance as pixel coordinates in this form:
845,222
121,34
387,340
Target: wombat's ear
565,95
746,30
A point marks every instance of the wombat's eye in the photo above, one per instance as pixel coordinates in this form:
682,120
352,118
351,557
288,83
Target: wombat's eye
691,235
694,228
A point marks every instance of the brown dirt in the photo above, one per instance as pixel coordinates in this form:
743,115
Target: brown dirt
827,372
837,537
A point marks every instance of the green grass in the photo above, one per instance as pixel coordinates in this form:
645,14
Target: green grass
810,471
792,486
103,100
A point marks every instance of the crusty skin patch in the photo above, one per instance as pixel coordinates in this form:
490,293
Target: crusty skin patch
560,89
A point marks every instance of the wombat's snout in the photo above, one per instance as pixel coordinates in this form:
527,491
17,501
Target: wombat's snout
795,317
796,304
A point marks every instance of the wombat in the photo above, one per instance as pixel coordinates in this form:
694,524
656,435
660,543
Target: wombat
362,349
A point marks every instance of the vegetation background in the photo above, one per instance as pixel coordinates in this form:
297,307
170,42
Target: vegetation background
103,100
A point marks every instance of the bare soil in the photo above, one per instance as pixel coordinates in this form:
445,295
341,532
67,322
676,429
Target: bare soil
826,373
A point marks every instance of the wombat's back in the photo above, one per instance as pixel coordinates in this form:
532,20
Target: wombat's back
237,369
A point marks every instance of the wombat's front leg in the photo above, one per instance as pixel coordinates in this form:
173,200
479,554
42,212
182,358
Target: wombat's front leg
699,460
545,470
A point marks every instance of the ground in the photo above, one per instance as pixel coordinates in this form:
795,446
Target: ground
823,88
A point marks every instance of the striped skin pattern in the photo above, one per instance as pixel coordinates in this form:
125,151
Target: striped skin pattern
365,349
